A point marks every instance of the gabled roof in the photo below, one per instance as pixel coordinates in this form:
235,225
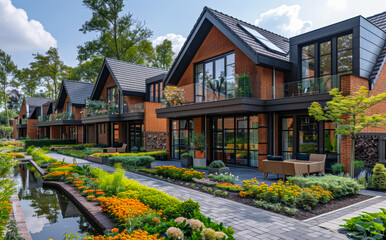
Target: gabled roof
232,29
36,101
77,92
378,20
130,77
48,108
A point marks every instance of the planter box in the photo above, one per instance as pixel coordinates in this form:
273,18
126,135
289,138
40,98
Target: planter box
186,162
105,160
218,170
93,159
199,162
199,154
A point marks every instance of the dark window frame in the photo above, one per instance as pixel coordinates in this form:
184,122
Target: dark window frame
334,55
204,62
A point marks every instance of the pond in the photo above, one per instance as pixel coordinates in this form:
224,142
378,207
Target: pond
48,213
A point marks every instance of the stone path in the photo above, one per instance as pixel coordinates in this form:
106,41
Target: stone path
248,222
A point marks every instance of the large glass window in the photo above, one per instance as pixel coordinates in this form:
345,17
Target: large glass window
325,58
308,61
113,95
287,137
330,138
236,140
135,135
308,135
214,78
182,133
116,132
345,54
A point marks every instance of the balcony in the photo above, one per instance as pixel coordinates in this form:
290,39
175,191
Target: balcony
57,119
45,118
23,121
62,116
97,111
308,87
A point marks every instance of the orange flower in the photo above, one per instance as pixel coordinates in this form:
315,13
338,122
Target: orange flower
114,230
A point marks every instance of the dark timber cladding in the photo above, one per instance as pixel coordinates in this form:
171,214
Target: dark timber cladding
77,93
230,27
130,78
368,42
242,106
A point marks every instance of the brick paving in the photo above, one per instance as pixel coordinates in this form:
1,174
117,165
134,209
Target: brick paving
248,222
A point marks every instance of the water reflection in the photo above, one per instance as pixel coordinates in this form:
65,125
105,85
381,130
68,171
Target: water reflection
48,213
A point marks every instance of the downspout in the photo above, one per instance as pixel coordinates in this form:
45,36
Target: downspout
273,83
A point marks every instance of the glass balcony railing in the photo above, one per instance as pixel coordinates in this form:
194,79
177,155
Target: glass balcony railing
62,116
23,121
308,86
138,107
44,118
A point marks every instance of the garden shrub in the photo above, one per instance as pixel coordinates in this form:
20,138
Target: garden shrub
39,156
337,185
337,168
366,226
217,164
155,154
127,161
229,178
71,152
6,190
379,176
178,173
48,142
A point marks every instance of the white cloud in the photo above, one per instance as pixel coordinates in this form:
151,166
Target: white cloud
337,4
18,33
284,20
176,39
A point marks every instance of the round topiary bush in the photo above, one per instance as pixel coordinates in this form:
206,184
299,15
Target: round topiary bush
379,176
217,164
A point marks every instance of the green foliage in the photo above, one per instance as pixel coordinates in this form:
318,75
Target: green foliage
87,71
50,68
366,226
127,161
12,232
48,142
379,176
229,178
39,156
134,149
198,141
306,200
3,116
337,168
6,190
6,131
359,164
217,164
349,114
290,211
163,55
71,152
142,149
243,89
119,35
338,186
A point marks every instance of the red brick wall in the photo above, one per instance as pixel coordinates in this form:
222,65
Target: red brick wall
151,122
76,112
32,131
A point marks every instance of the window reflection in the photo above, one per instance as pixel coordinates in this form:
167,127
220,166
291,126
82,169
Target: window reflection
345,54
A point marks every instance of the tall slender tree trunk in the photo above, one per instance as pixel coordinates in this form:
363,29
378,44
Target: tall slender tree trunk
5,106
352,156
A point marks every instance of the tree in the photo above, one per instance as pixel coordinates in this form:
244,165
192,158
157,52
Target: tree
87,71
14,98
50,68
163,55
29,81
349,114
3,116
7,71
119,36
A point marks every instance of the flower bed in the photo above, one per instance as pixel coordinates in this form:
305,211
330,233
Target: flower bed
178,173
155,154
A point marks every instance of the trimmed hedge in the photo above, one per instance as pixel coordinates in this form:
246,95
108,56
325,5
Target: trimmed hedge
128,161
48,142
155,154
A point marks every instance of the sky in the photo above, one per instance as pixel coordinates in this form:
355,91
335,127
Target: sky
31,26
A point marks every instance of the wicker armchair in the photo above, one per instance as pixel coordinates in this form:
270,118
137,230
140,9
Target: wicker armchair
294,169
122,149
317,163
273,167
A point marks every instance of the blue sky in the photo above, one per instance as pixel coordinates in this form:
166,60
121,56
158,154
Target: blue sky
30,26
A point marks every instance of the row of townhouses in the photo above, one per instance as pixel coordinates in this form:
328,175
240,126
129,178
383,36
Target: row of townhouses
246,90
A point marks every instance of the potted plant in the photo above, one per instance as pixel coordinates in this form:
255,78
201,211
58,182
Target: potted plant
358,167
187,159
134,149
218,167
198,143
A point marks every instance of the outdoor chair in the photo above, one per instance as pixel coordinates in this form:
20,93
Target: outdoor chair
122,149
318,163
294,169
109,150
272,167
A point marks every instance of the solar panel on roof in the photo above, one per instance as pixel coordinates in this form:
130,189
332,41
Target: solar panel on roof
261,38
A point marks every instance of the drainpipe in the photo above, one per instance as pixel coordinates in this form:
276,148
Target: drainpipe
120,101
273,83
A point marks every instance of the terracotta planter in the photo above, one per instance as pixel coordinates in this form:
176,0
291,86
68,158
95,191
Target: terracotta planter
199,154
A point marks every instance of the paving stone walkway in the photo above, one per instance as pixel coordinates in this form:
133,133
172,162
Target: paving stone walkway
248,222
